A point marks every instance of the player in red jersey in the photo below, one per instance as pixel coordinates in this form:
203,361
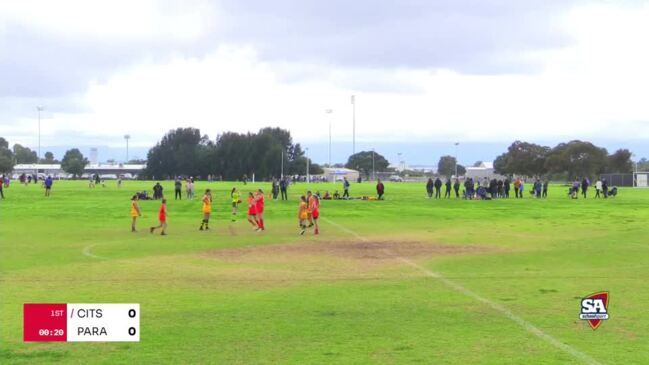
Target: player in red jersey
252,210
260,210
162,217
314,211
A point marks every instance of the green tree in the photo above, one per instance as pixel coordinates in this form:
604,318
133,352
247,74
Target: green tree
620,162
446,166
73,162
48,158
24,154
362,162
643,164
178,153
577,159
6,157
523,158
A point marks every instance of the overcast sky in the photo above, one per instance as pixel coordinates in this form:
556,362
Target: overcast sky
421,70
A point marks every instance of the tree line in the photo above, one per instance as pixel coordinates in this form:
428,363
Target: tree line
19,154
571,160
231,156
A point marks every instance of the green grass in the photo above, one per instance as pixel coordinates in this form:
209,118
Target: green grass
236,296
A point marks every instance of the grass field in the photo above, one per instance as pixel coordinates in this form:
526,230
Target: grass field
405,280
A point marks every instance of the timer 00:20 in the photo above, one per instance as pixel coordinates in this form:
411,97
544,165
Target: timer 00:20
46,332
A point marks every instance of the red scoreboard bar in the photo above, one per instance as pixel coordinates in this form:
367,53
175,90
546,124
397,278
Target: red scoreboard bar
56,322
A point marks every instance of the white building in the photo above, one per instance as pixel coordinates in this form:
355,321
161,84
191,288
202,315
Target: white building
337,174
486,169
106,170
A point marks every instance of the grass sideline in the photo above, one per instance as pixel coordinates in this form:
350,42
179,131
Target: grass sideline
236,296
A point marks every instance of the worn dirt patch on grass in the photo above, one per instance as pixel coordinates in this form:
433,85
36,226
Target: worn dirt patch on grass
377,250
327,261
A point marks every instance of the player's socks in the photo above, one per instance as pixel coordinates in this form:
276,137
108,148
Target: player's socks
316,231
151,229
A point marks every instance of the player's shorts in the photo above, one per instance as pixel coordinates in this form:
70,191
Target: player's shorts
235,204
315,214
207,211
134,214
252,211
303,216
260,209
162,219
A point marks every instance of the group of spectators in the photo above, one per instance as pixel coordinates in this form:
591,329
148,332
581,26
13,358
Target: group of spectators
602,189
485,189
178,189
280,186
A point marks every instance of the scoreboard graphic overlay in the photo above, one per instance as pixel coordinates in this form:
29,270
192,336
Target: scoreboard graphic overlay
46,322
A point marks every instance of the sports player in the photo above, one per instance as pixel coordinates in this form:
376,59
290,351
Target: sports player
260,210
135,212
236,200
207,210
252,211
303,214
314,212
309,198
162,217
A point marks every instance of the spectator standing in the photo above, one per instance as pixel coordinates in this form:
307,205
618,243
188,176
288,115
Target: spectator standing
447,190
506,187
283,186
605,188
517,187
429,188
438,188
598,188
2,181
178,188
275,189
380,189
585,183
546,183
48,185
345,188
456,187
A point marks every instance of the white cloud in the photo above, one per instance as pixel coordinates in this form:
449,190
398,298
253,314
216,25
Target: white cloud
114,20
584,91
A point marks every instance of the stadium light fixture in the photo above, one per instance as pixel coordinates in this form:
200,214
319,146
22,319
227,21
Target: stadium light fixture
456,144
127,137
39,108
329,111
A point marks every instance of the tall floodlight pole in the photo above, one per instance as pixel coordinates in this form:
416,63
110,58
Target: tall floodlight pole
39,109
373,171
282,166
127,137
353,124
456,144
399,162
329,111
308,176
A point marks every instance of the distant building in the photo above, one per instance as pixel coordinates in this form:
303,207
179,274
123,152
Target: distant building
485,169
337,174
107,170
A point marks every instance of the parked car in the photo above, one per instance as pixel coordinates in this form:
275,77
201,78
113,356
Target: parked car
396,178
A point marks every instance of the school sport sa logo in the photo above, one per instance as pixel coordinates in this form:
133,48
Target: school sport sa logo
594,309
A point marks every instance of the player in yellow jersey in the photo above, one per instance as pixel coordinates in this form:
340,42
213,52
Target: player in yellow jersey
236,200
303,214
135,212
207,210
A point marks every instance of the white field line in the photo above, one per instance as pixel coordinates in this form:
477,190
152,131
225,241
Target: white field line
87,252
529,327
